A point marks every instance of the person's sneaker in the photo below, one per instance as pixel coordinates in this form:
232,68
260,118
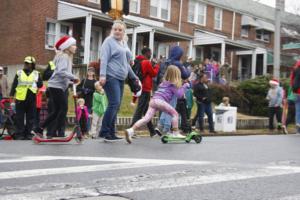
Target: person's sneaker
38,132
284,130
111,139
158,132
178,135
117,138
213,132
128,134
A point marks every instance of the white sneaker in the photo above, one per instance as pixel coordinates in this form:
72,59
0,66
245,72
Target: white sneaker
178,135
128,135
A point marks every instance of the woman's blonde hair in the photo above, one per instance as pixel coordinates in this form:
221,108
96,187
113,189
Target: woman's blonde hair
173,75
120,23
80,100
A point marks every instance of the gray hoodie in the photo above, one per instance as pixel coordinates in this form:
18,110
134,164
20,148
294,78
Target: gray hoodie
115,58
62,74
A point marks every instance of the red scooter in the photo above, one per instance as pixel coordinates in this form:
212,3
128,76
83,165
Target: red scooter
76,133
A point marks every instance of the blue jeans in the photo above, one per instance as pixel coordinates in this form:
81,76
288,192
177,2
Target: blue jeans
297,106
114,91
165,120
207,109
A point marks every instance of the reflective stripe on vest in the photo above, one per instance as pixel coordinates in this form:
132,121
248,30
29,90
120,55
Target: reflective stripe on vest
26,83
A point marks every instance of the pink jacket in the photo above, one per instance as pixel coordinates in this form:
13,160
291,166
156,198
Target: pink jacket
79,112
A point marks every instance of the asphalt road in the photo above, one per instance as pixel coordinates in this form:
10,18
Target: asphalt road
249,167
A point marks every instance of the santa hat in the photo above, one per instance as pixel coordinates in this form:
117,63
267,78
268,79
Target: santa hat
274,82
65,42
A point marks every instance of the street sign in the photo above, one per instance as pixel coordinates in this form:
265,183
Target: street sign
291,46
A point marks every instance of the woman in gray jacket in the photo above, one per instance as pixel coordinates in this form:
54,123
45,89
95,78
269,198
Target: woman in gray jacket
58,85
115,67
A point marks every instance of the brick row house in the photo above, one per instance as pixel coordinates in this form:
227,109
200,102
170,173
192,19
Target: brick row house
237,32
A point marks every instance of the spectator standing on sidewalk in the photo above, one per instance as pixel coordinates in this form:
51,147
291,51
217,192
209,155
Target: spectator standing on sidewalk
295,83
3,89
99,107
203,95
148,72
86,88
275,97
25,86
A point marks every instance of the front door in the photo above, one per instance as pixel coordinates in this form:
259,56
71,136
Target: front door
96,42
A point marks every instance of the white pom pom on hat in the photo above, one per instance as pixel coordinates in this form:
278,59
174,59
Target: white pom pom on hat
274,82
65,42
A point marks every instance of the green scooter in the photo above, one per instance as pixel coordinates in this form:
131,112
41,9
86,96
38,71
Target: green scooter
188,138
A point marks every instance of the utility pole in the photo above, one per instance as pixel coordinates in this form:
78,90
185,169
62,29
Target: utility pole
279,7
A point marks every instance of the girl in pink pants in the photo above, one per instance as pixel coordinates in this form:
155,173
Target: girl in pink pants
160,101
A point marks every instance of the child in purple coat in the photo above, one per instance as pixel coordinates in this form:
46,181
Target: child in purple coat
160,101
82,115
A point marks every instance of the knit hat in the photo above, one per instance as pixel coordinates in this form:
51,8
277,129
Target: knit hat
65,42
274,82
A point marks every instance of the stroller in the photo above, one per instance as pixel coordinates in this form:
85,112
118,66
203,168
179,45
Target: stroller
8,128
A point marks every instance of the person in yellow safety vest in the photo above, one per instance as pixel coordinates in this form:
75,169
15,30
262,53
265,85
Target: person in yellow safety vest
24,88
49,71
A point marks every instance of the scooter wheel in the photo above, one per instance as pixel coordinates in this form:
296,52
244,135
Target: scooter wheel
164,139
197,138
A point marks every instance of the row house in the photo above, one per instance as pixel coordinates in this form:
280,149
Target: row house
240,33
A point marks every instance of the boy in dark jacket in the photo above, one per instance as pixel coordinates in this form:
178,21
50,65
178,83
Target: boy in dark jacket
148,72
203,96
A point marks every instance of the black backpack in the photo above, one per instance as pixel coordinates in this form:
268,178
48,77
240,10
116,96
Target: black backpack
137,69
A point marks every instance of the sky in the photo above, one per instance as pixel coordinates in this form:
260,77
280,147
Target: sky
291,5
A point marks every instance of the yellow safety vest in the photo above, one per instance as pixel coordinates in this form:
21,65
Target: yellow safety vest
26,83
52,65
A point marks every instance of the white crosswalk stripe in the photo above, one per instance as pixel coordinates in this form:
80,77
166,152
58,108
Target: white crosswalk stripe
128,183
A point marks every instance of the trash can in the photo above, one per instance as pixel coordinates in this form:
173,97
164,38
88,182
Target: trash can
225,119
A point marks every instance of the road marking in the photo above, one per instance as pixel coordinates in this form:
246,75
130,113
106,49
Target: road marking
128,163
128,186
103,159
296,197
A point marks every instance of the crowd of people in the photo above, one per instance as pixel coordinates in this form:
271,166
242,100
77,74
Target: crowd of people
167,86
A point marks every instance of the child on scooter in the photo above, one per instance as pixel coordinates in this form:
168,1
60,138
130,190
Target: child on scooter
82,116
170,86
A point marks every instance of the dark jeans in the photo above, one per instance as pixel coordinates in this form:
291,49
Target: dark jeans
274,111
291,113
141,110
57,117
60,132
207,109
181,108
114,91
26,108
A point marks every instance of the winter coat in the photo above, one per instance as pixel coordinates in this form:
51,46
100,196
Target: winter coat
80,113
148,72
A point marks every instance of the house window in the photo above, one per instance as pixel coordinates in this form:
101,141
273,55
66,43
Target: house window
95,1
197,13
263,35
245,31
218,18
135,6
54,31
50,34
160,9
